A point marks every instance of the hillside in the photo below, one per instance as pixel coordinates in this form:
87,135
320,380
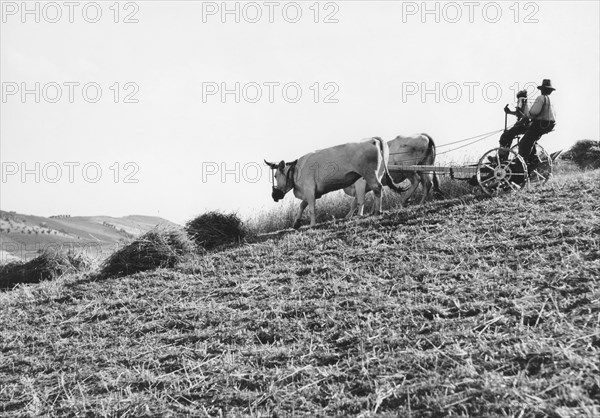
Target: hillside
473,307
22,236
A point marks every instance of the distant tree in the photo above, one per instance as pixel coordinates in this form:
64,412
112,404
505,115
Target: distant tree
585,154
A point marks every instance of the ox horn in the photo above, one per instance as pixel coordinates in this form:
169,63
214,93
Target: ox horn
272,165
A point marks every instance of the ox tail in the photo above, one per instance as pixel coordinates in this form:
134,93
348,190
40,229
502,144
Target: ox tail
385,154
430,159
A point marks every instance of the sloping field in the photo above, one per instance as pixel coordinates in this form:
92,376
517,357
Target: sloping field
457,308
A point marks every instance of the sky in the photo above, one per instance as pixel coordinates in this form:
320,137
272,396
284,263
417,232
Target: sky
169,108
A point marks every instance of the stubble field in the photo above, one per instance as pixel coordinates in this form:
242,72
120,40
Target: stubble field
462,307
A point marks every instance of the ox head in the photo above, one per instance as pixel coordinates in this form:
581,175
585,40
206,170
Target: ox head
283,178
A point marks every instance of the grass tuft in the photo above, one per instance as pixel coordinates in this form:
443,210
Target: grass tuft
336,205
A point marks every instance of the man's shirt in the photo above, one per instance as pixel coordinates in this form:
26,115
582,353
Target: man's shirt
523,106
542,109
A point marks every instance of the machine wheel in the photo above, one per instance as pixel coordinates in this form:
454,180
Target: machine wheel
501,169
543,171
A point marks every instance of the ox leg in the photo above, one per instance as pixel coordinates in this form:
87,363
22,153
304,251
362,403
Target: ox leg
312,211
361,191
377,201
351,191
374,184
303,205
436,186
414,183
352,208
426,180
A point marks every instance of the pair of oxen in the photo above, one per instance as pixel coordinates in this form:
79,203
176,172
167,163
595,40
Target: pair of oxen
356,167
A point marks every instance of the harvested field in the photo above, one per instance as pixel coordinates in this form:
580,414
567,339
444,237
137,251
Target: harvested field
464,307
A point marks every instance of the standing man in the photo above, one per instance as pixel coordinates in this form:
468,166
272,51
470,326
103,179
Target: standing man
542,122
519,128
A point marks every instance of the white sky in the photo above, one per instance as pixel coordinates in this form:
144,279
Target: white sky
371,55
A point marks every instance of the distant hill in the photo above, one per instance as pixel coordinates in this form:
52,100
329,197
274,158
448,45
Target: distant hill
23,236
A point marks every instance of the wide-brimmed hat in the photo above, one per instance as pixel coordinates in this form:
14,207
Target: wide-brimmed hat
546,84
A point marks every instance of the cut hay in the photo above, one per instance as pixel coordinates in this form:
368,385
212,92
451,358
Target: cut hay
158,248
214,229
49,265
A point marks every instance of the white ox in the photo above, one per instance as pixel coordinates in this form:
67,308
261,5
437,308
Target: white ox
404,150
320,172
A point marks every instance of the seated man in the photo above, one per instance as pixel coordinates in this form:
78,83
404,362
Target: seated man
519,128
542,122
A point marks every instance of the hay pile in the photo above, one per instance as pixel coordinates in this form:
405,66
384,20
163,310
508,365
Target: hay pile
214,229
158,248
49,265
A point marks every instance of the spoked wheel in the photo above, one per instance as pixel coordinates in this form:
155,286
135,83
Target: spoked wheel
501,169
542,171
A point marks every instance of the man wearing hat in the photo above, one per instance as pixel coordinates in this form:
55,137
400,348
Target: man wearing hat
519,128
542,122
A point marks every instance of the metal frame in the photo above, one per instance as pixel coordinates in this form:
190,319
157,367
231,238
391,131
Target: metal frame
494,174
